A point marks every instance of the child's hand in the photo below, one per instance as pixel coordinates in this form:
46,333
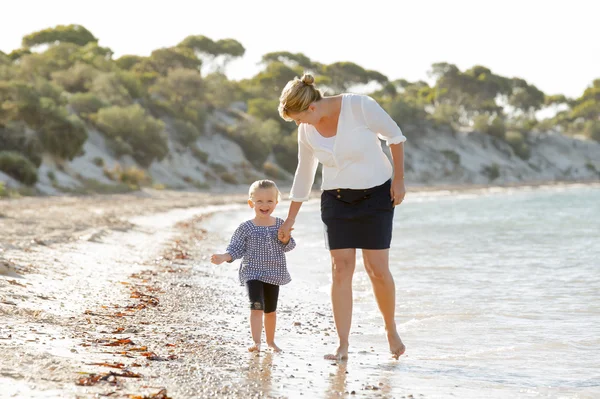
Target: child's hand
284,236
217,259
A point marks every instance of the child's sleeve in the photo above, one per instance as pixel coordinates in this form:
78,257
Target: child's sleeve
237,245
289,246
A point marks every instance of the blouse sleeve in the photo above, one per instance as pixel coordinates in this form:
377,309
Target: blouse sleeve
380,122
305,171
289,246
237,245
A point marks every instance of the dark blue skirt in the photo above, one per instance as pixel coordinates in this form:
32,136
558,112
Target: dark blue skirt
358,218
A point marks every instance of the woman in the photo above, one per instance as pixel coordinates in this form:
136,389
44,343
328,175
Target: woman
360,189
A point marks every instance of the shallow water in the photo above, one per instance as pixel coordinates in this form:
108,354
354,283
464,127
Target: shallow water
498,294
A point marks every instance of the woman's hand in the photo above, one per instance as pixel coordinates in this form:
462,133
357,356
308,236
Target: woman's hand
397,191
217,259
285,231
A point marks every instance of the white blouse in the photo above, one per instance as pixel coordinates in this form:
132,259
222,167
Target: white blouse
356,160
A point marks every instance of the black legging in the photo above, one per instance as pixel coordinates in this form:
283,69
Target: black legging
263,296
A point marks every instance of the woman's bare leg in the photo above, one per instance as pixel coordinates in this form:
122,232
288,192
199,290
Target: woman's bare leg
384,288
343,262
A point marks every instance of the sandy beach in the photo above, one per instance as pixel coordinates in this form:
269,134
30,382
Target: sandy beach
113,296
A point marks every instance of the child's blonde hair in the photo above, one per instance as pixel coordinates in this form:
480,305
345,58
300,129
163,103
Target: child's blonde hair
263,184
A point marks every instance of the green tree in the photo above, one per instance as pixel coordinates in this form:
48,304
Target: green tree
292,60
344,75
75,34
181,93
217,53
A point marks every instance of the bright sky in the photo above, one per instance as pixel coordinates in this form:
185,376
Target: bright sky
551,43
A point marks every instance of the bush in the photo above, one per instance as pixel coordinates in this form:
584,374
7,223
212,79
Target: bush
271,170
110,89
98,161
86,104
199,154
492,171
51,175
185,132
453,156
77,79
257,138
228,177
491,126
181,95
592,130
217,167
18,167
517,142
132,176
14,138
286,152
61,134
135,132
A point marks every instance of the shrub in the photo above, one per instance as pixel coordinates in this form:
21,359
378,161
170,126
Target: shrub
14,138
493,126
271,170
110,89
135,132
132,176
257,138
76,79
517,142
492,171
185,131
217,167
51,175
86,104
18,167
228,177
453,156
592,130
199,154
99,161
286,152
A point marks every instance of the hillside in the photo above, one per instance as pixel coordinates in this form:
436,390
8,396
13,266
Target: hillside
74,119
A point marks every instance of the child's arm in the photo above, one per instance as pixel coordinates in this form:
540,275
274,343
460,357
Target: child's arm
289,244
217,259
235,249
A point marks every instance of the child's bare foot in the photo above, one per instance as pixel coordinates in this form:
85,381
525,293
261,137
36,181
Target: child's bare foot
254,348
396,346
340,354
274,347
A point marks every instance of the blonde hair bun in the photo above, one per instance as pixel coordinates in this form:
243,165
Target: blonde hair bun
308,79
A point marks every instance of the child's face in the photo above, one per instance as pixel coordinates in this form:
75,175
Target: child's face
263,201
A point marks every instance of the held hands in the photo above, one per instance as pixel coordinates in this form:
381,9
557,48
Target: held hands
217,259
285,231
397,191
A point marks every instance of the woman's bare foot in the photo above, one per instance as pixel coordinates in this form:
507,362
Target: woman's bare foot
273,347
340,354
254,348
396,346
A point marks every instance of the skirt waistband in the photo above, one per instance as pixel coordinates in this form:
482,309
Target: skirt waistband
352,195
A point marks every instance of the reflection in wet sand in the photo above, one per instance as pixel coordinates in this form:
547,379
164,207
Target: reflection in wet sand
338,380
259,372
